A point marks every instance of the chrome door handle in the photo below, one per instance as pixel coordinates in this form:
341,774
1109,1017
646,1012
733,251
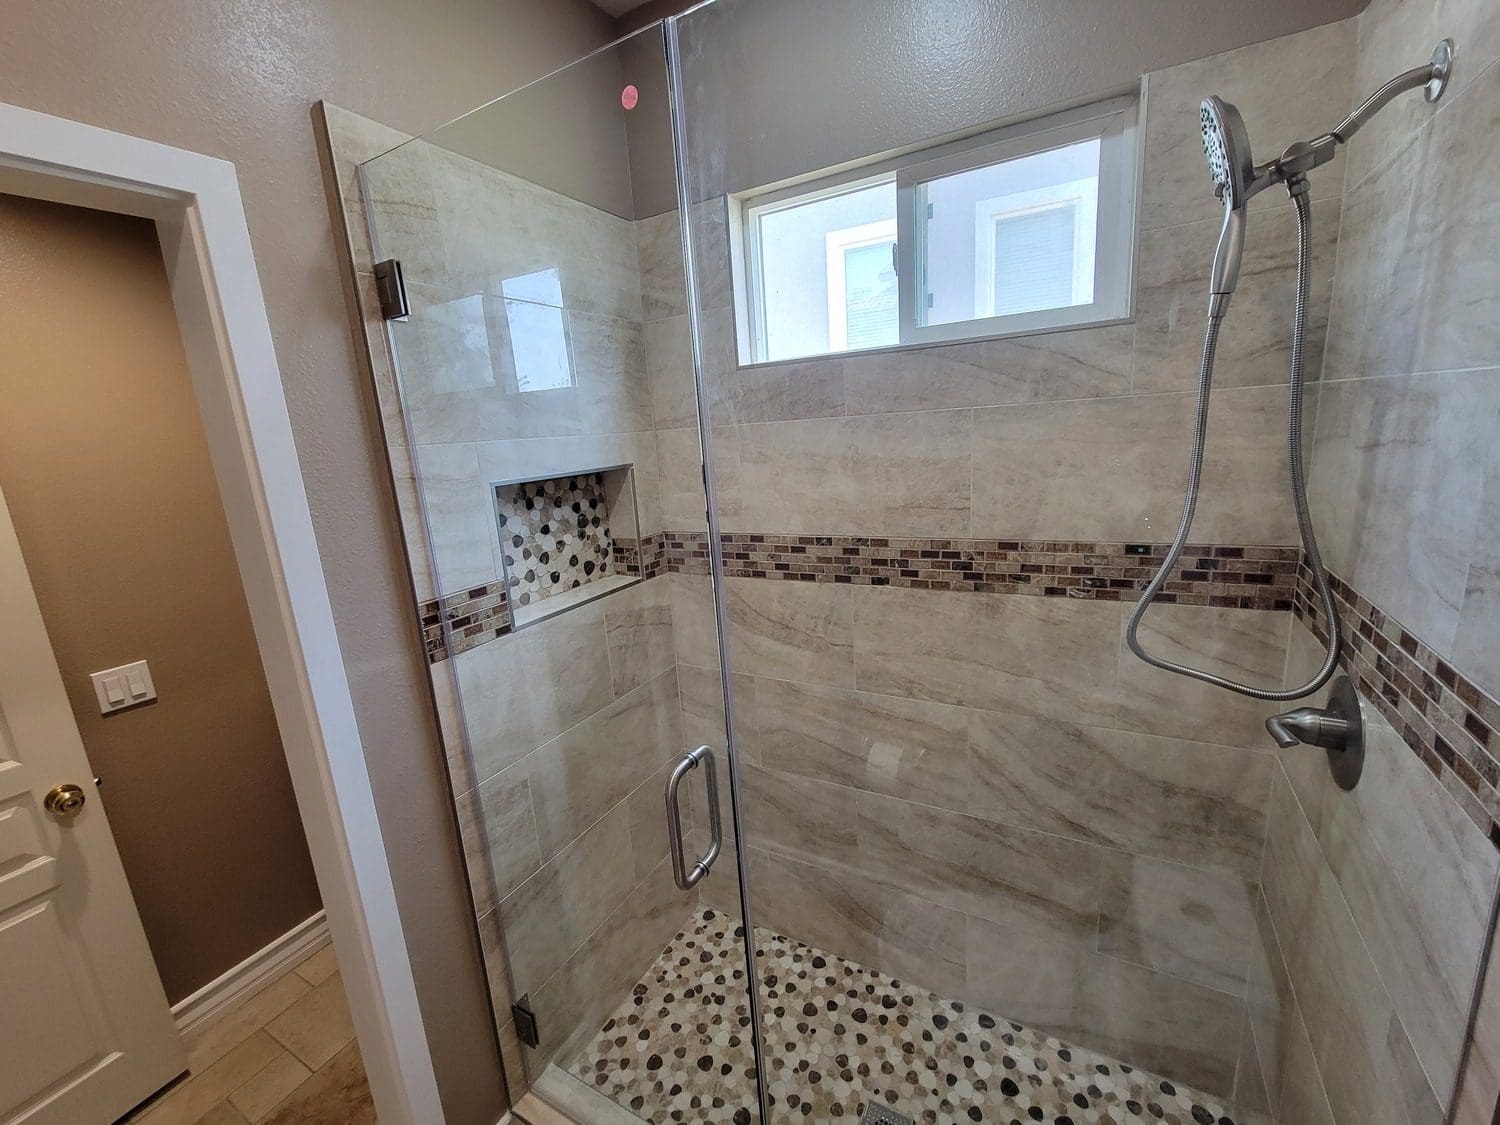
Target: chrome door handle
686,879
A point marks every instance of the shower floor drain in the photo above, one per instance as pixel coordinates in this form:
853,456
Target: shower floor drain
883,1115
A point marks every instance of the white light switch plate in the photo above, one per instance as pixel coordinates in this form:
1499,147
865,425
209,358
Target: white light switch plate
122,687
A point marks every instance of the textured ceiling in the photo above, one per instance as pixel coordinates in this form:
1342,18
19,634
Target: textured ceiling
618,8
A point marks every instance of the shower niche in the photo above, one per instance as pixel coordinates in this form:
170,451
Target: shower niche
566,539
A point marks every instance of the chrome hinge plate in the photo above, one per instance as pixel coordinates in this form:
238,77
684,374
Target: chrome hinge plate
390,286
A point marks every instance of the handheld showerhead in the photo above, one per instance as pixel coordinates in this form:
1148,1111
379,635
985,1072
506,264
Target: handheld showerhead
1226,144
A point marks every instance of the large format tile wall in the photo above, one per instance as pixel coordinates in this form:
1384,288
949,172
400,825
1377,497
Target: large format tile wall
557,733
985,792
1376,904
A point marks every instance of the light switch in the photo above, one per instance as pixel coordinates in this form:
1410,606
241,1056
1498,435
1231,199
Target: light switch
122,687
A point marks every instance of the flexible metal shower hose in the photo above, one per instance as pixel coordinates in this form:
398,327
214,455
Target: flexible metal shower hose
1299,493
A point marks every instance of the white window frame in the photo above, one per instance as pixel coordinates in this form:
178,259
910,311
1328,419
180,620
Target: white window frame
837,243
1115,122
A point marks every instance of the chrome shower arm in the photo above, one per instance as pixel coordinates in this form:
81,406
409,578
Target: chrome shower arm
1301,157
1434,76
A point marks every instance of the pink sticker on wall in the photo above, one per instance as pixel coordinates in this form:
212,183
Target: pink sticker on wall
629,97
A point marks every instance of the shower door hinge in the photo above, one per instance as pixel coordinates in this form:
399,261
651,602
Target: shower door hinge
526,1029
390,285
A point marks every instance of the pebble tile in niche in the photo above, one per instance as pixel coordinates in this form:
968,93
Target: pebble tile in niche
554,535
841,1037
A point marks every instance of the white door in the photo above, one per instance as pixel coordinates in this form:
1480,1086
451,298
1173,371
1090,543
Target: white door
85,1030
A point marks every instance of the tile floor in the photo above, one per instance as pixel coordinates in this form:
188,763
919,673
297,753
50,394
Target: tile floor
285,1056
841,1035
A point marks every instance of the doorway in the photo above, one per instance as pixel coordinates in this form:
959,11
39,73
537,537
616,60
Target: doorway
195,206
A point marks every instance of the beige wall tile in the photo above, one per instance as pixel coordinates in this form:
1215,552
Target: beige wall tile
1114,469
493,690
1303,1097
1038,974
1363,1052
1289,877
1165,1024
572,784
460,516
702,693
497,826
496,964
609,366
402,213
684,504
791,630
882,743
1189,802
1019,879
564,664
1255,343
1249,1086
645,810
1476,645
996,651
885,474
1402,453
1272,1008
1185,921
861,919
708,227
1376,289
638,631
767,392
1244,644
669,369
574,1002
550,915
1087,363
694,632
1287,89
1419,882
1369,1069
805,820
1479,1092
659,250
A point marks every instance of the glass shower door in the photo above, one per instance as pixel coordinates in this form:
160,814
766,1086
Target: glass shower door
546,407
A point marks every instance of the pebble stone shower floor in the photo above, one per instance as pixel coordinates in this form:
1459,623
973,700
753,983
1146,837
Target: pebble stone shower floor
842,1035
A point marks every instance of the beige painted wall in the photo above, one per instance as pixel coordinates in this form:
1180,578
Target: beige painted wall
753,67
238,82
107,476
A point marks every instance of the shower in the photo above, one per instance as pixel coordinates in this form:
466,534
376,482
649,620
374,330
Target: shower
1237,179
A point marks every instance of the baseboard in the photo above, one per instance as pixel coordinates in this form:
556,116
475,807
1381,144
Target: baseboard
251,974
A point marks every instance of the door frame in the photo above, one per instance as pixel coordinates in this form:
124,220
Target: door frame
195,202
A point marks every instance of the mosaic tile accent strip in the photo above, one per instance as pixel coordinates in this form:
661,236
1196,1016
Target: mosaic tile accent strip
554,535
646,556
842,1037
1239,577
1446,720
458,622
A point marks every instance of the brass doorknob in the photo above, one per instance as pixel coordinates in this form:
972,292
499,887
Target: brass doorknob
64,801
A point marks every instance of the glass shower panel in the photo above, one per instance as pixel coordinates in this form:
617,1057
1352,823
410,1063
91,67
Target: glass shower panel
547,396
996,871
